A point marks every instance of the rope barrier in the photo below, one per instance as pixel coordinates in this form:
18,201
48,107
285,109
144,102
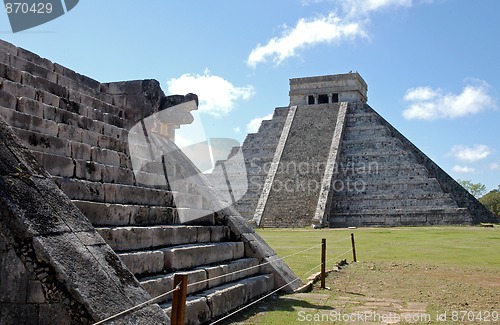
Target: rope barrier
264,297
139,305
228,274
334,258
252,267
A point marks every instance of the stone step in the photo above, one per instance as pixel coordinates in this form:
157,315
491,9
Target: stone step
108,214
210,276
213,303
138,238
407,170
345,187
390,203
368,145
84,190
181,257
401,217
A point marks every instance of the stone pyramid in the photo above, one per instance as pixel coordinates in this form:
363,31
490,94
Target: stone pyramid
329,159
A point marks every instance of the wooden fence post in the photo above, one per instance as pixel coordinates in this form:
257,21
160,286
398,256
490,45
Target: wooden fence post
179,299
353,247
323,262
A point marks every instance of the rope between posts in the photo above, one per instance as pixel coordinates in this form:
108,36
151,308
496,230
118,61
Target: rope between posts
139,305
338,241
334,258
264,297
253,267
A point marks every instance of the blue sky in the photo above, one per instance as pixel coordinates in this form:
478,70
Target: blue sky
430,65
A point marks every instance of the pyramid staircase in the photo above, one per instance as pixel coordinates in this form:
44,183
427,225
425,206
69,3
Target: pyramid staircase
77,128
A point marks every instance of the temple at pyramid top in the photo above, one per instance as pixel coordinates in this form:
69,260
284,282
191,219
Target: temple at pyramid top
330,160
348,87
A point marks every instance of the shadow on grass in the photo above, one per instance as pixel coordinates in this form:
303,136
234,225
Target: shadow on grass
271,304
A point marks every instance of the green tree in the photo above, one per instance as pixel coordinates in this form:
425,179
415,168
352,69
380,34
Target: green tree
492,200
475,189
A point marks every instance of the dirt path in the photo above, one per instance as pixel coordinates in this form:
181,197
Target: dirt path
392,293
389,293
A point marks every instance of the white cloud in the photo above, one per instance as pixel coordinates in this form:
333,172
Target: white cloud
306,33
471,154
236,130
253,125
357,8
431,104
323,29
217,96
463,169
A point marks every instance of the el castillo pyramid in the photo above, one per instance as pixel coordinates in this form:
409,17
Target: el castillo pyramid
330,160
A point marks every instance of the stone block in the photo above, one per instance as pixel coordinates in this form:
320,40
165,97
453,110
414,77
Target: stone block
81,151
188,256
8,100
43,84
30,106
219,233
90,125
153,215
126,194
69,132
203,235
14,278
88,170
226,298
112,144
56,165
47,98
113,131
117,175
231,271
104,214
35,59
81,190
105,156
54,314
197,310
174,235
114,120
33,68
36,293
90,138
8,48
143,262
127,238
159,285
18,90
10,73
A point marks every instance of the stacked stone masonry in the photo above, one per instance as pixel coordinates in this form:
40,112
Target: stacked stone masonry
380,178
78,129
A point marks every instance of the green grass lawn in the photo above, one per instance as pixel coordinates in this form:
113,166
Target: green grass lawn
439,268
446,246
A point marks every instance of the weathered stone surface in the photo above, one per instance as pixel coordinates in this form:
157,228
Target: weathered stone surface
76,258
188,256
143,262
